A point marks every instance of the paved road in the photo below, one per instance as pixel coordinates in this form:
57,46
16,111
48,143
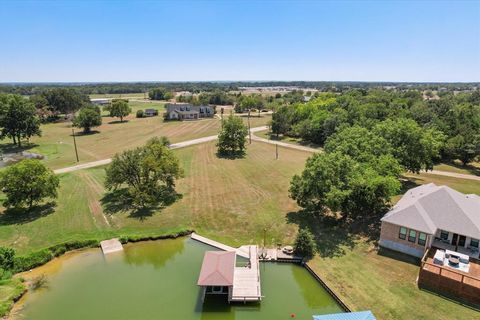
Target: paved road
255,138
172,146
454,175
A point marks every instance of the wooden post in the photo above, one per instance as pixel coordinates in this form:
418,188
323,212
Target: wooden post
75,144
276,151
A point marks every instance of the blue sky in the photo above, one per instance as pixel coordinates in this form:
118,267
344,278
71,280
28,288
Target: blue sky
239,40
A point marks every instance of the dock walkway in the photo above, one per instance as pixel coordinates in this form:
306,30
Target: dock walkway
219,245
246,280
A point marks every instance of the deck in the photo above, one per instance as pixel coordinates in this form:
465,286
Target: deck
444,279
246,280
240,251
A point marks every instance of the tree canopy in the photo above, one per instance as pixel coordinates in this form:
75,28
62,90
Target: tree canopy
160,94
120,109
148,172
87,118
232,137
337,182
305,244
18,118
63,100
28,183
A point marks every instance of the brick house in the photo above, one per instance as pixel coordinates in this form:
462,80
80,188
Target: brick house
431,215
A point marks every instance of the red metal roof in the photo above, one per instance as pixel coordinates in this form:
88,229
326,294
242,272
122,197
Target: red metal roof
217,269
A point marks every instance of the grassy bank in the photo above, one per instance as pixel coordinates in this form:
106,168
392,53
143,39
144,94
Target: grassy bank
10,291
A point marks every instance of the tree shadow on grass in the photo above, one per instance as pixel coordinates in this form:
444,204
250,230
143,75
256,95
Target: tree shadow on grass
118,201
395,255
13,216
83,133
334,234
11,148
231,155
118,121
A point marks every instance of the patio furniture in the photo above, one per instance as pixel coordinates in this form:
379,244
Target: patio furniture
439,257
453,260
287,250
464,258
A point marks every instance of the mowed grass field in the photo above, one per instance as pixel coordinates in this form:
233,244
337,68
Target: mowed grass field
229,200
233,201
56,142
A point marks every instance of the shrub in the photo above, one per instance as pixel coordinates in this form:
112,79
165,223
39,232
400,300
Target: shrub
139,113
305,244
7,256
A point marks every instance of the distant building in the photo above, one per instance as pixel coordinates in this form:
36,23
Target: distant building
184,111
150,113
100,102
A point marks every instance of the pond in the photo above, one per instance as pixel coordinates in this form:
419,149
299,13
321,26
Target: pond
157,280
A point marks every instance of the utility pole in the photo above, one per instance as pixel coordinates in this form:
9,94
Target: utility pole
75,144
264,241
249,131
221,115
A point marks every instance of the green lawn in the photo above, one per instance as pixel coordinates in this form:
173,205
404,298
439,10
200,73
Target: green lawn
230,200
233,201
56,142
10,290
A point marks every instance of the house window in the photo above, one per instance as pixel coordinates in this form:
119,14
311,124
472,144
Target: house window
474,243
443,235
412,235
403,233
422,238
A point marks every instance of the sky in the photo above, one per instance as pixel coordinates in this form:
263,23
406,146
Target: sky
116,41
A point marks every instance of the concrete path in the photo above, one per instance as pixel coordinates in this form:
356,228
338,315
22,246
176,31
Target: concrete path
454,175
219,245
188,143
178,145
285,144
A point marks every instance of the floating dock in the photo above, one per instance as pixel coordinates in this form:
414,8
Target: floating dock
110,246
240,251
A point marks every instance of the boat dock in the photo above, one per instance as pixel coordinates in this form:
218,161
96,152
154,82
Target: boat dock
240,251
246,280
110,246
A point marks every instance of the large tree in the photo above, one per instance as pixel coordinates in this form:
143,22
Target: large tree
28,183
416,148
336,182
232,137
18,118
148,172
87,118
120,108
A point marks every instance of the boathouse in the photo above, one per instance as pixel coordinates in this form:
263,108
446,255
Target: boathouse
220,275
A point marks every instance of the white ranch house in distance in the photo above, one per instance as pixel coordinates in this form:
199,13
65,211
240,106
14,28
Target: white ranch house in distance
433,216
185,111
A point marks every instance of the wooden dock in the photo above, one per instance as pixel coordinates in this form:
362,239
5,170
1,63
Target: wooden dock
110,246
240,251
246,280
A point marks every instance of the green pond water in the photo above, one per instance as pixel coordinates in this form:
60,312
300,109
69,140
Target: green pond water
157,280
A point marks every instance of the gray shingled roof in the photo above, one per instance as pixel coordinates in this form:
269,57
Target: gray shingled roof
430,207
